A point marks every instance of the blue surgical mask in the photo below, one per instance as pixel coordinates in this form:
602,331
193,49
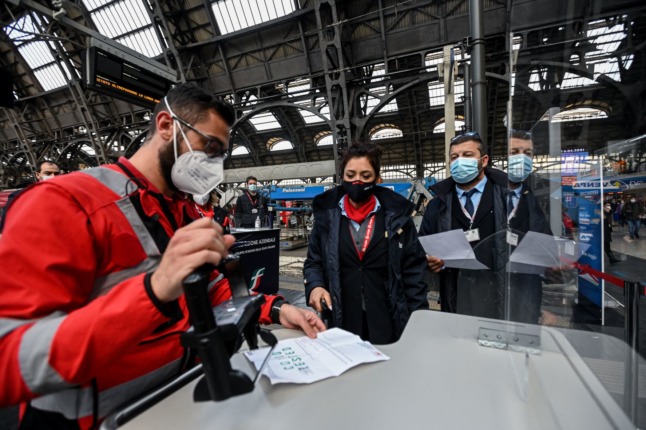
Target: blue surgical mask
520,167
464,170
253,187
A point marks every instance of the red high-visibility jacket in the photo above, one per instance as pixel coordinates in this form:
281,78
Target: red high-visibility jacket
76,322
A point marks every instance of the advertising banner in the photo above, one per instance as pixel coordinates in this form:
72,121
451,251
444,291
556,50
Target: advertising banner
258,252
590,227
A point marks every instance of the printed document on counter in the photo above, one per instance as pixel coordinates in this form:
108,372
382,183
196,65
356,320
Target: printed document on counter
303,360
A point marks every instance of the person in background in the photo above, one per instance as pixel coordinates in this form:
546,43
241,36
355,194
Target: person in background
220,215
632,212
203,204
524,215
47,170
91,299
568,225
472,199
250,206
44,170
364,259
607,232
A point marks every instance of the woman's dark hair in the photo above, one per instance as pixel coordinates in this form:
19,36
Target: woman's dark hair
363,149
192,103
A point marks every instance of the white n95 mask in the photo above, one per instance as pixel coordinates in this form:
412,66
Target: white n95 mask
194,172
201,199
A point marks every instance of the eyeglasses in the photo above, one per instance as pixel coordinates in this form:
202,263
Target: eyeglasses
214,147
471,135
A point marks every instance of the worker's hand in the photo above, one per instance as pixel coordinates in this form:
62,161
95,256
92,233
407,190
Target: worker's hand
190,247
318,294
435,264
306,320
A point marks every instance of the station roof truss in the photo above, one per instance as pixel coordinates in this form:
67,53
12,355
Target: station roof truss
302,73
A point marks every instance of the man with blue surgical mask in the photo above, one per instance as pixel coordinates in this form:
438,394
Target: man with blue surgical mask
250,207
471,199
524,214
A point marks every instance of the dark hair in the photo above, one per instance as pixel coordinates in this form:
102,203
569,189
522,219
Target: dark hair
39,166
520,134
191,103
249,178
471,136
363,149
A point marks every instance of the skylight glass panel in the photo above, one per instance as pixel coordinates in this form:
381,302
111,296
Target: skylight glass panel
311,118
436,93
127,22
299,87
441,127
601,60
88,149
239,150
572,80
433,59
51,77
325,140
282,145
372,102
37,52
264,121
386,133
234,15
577,114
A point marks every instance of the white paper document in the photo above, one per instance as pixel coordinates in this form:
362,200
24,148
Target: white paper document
452,247
538,251
303,360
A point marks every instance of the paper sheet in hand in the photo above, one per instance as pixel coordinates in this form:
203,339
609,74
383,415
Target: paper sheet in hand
452,247
303,360
538,251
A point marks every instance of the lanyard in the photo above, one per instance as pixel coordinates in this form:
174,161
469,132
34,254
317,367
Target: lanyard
366,237
253,204
199,211
513,211
466,214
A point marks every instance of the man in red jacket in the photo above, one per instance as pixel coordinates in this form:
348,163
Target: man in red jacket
91,303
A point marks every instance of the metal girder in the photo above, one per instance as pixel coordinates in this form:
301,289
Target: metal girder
332,52
160,25
253,151
27,149
87,116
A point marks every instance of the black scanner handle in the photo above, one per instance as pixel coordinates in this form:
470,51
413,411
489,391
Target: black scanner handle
196,291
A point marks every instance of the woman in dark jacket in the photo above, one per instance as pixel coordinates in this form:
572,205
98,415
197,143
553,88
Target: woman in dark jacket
364,259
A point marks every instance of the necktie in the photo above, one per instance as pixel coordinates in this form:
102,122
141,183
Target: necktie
468,206
510,202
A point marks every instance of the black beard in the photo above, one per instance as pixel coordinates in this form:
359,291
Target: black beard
166,161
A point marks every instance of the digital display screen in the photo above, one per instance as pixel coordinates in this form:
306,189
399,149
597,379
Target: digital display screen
116,77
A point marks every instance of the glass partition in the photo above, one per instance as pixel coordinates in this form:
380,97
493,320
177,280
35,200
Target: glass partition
575,200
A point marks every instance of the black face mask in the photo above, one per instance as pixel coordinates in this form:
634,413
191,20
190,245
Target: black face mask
359,191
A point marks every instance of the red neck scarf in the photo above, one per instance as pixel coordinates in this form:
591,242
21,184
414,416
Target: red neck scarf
359,214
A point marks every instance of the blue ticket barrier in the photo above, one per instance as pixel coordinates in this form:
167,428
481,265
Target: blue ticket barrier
258,250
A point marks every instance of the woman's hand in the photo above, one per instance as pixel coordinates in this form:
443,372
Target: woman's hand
317,295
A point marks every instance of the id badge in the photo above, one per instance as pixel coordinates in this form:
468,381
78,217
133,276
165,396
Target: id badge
512,238
254,211
472,235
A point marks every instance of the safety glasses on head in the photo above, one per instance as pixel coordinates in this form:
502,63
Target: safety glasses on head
461,138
